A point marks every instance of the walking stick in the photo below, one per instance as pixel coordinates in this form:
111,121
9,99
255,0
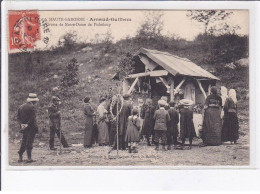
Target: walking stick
60,140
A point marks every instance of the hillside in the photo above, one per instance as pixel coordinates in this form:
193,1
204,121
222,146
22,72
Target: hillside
97,64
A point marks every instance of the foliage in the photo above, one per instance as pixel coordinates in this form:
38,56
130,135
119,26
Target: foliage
68,41
152,25
71,75
125,66
213,21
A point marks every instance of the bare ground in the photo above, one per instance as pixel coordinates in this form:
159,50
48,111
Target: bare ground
223,155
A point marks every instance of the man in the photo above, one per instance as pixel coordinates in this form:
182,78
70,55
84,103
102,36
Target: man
172,130
55,123
27,120
123,119
161,117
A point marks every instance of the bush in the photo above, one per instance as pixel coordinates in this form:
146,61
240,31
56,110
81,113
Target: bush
70,77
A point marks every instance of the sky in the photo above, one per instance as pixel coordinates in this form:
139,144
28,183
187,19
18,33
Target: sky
86,28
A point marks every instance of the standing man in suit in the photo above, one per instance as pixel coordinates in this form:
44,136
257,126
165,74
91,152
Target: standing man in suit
55,123
28,124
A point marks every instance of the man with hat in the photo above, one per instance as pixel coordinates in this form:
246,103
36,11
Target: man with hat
27,120
161,117
123,120
55,123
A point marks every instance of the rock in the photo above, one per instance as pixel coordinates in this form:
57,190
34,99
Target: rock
230,66
73,152
106,55
42,144
55,76
55,89
110,67
96,56
243,62
46,79
81,64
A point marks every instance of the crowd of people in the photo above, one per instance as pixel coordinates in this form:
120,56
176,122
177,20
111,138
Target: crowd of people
158,125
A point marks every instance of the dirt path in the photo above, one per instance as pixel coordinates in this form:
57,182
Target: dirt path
225,154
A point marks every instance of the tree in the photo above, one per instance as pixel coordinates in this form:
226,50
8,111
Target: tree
210,19
152,25
125,66
71,76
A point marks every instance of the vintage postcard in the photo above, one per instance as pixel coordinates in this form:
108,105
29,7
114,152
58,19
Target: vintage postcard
142,88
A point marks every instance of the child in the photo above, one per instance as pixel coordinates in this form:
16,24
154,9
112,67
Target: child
132,131
187,129
172,130
161,117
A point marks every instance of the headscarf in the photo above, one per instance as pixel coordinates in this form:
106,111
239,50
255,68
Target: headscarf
224,93
233,95
148,101
214,90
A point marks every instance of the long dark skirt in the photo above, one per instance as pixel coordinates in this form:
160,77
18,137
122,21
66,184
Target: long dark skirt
103,134
88,137
212,126
230,127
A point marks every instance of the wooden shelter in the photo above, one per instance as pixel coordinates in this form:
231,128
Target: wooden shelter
159,74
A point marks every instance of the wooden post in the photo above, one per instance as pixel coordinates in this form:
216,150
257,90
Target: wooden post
125,86
172,90
209,88
201,88
132,86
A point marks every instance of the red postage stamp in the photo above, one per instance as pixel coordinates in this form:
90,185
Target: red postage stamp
24,29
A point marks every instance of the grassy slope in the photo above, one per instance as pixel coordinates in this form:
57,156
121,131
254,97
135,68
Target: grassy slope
96,69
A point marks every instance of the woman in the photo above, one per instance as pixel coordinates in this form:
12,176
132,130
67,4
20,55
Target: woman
187,129
230,124
148,123
103,135
89,114
211,134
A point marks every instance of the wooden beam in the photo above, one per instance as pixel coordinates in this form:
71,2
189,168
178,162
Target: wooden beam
131,76
209,88
164,82
201,88
180,84
156,73
172,90
132,86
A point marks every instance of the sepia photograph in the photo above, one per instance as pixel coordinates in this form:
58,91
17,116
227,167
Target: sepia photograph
122,88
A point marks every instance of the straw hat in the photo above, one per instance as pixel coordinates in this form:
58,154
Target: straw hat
162,102
55,98
186,102
126,96
32,98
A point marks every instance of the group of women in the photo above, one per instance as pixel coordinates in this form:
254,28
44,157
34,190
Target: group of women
220,122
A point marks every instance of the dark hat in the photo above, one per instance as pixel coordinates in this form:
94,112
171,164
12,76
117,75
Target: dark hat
172,104
86,99
102,99
55,98
126,96
135,111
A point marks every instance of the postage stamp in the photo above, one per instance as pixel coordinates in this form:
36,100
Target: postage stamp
24,30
